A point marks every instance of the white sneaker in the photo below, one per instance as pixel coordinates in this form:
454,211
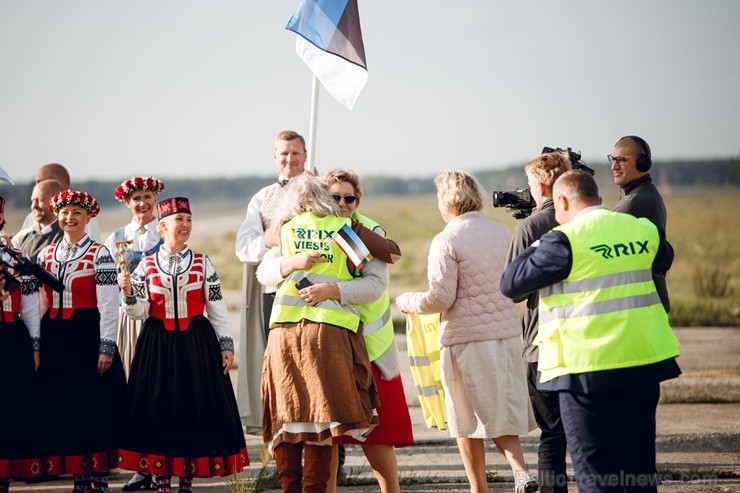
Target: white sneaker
525,482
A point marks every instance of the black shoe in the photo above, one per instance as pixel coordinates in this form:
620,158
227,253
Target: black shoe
146,483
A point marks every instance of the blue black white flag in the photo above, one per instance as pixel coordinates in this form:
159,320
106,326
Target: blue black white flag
352,246
330,42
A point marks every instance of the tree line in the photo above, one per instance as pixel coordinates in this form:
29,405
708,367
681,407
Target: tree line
673,174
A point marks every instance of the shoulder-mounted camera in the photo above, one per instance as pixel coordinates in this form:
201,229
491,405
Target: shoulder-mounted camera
520,203
24,266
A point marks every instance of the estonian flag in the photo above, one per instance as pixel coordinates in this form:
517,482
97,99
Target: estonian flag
330,42
352,246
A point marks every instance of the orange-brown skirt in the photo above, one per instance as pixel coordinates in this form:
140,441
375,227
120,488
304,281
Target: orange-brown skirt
316,384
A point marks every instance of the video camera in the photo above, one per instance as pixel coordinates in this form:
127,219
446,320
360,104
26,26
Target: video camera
575,158
26,267
520,203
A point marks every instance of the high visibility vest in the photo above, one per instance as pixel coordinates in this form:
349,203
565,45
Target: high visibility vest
422,345
606,314
307,232
376,316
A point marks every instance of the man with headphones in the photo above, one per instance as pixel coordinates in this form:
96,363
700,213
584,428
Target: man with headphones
630,162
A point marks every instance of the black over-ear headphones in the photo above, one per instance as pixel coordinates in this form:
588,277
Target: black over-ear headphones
645,160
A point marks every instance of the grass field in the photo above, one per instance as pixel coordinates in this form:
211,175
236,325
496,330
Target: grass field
704,282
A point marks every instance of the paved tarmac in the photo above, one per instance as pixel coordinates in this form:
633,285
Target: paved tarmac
694,437
433,463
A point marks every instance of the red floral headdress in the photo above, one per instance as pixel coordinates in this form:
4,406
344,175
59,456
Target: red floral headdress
74,197
171,206
125,189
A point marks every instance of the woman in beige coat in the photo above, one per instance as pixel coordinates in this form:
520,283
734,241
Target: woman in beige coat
483,374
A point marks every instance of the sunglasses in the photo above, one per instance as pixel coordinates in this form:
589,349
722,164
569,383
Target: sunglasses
348,199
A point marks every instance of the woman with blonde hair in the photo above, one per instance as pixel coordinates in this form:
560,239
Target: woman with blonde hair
483,374
83,385
129,245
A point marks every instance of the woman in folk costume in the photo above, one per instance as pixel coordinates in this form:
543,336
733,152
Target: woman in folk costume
316,381
19,361
129,245
182,414
82,381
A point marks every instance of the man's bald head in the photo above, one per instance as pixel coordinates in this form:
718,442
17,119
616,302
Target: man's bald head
53,171
42,192
572,192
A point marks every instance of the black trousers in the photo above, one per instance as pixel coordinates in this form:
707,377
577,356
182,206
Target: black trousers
611,437
551,452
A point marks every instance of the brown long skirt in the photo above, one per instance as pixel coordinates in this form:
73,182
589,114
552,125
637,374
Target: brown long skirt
316,384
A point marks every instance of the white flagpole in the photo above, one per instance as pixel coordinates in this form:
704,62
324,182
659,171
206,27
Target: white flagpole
311,165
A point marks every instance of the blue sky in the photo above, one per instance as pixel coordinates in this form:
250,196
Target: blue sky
186,88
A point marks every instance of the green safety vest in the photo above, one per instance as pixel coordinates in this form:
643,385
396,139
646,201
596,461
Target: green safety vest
307,232
376,316
606,314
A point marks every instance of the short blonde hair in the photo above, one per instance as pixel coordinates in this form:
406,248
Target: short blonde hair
546,168
459,191
344,176
288,135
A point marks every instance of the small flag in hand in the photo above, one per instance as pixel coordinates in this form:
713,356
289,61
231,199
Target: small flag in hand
352,246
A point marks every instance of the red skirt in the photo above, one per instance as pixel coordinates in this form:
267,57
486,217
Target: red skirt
393,414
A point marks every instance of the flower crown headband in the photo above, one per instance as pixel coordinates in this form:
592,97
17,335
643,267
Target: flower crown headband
128,187
74,197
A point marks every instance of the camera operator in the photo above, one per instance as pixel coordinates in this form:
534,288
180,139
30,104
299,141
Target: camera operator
630,162
541,175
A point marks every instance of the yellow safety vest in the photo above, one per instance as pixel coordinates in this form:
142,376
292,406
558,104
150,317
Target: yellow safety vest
422,345
606,314
377,323
307,232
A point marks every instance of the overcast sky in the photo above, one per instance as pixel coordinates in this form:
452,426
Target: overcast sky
193,88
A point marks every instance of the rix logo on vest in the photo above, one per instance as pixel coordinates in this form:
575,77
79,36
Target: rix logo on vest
313,234
621,249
